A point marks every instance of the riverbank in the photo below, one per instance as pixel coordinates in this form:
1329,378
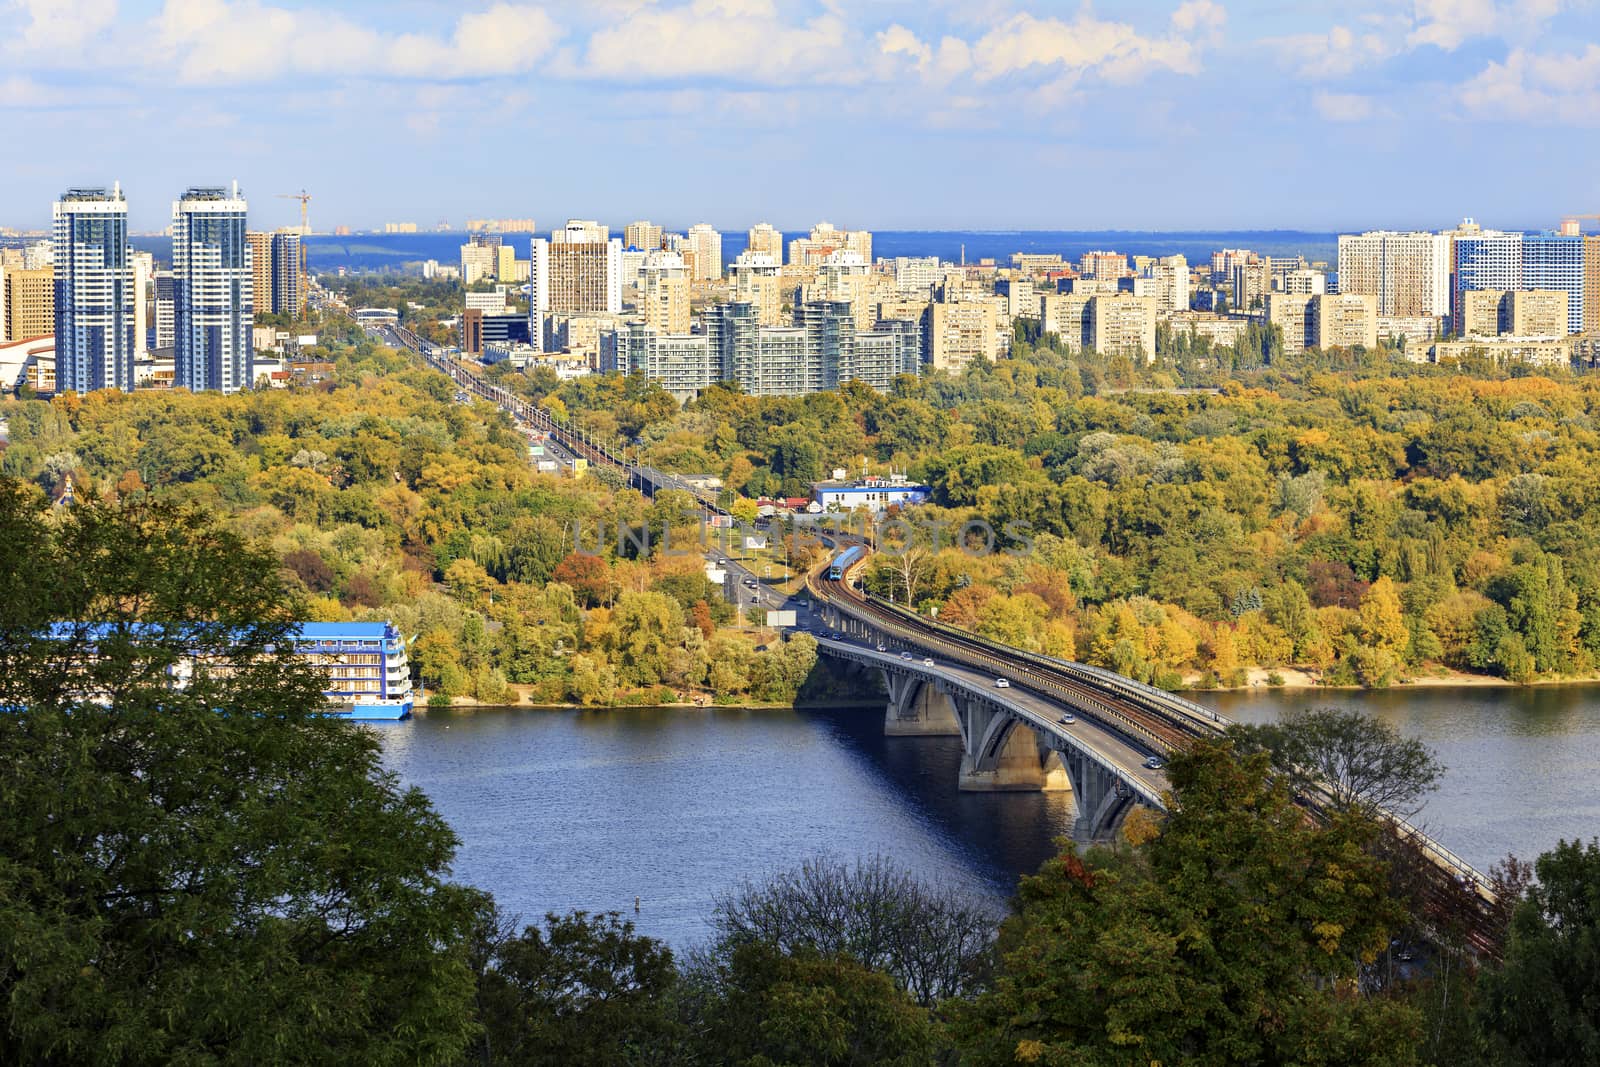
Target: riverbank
1291,678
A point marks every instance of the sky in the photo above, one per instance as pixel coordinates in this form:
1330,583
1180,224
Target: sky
884,114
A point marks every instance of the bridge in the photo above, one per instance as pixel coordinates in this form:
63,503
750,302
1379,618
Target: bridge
1026,721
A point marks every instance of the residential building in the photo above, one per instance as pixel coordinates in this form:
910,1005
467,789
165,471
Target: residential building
1291,313
1223,262
960,333
1407,273
29,303
1482,259
1221,330
1345,320
1168,279
480,260
578,270
1122,325
93,291
706,244
1089,286
917,276
213,276
664,293
288,277
1539,351
757,278
1519,313
500,226
1251,282
766,240
642,235
1103,265
144,268
1066,315
1414,333
166,303
1591,283
825,239
1037,262
1022,299
1304,281
261,269
843,275
1553,261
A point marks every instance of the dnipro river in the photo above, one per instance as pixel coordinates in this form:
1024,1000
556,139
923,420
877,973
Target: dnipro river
559,810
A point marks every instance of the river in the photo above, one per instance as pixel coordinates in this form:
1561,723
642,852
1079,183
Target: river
559,810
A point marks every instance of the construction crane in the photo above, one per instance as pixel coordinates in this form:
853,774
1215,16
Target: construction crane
305,199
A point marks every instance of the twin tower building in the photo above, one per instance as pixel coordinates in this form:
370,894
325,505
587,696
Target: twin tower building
214,290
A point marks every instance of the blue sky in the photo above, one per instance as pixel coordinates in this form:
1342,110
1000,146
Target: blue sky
891,114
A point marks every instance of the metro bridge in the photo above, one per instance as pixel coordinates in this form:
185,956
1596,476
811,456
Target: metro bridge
1051,724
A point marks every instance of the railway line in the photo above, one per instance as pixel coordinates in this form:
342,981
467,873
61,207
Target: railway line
1148,718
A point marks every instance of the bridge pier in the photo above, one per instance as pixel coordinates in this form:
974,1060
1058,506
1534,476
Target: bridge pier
1004,754
917,709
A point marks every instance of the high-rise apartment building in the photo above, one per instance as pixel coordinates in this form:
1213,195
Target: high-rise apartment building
1066,316
213,278
261,269
706,243
1520,313
144,268
1169,277
30,303
844,276
1291,313
166,304
1304,281
93,291
1591,283
643,235
757,278
1482,259
480,259
579,269
664,293
960,333
1122,325
1251,282
825,239
1407,273
1104,265
1554,261
288,275
1345,320
765,239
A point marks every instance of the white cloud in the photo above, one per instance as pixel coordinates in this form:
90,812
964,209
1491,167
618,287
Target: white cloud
1339,52
1562,88
207,41
1087,44
1347,107
742,40
54,24
1448,24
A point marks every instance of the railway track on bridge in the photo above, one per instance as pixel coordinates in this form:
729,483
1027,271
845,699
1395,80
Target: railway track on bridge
1159,721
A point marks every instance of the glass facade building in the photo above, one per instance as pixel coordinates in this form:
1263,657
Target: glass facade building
94,304
213,292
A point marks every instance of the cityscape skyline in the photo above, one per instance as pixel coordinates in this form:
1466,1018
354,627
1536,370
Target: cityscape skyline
1103,118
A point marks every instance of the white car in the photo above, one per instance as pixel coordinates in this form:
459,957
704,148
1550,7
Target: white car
1001,683
1154,763
1068,719
927,662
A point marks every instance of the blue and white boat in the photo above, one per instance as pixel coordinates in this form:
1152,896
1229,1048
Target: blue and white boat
369,676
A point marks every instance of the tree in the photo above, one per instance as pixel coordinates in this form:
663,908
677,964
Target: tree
208,871
581,989
1230,937
766,1007
934,942
1364,763
1543,1005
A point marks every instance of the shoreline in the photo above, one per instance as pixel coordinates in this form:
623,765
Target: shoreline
1296,679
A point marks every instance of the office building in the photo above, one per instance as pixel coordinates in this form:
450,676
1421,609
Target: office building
664,293
578,270
706,244
1345,320
642,235
1408,274
93,291
757,278
824,240
480,329
765,239
1122,325
212,276
29,303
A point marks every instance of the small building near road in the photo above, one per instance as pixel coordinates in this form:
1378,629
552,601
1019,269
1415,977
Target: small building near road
872,494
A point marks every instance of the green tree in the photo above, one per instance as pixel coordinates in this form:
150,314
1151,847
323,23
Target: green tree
212,871
1227,939
1542,1006
582,989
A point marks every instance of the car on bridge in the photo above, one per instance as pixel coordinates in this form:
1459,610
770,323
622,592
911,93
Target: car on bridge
1068,719
905,655
1155,763
1001,683
927,661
